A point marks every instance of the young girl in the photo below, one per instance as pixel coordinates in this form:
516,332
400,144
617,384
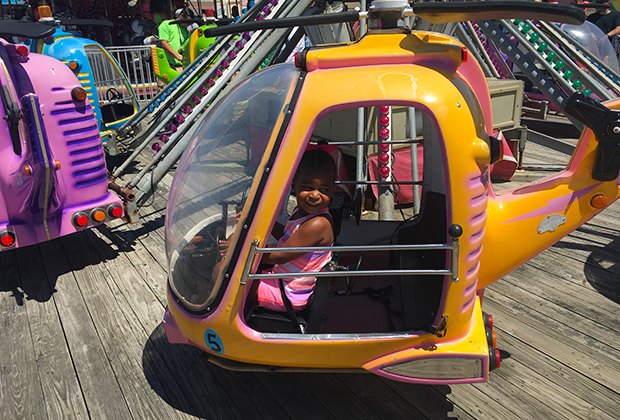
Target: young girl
309,225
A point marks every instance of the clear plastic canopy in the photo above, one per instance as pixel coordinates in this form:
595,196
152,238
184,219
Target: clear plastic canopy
593,41
214,177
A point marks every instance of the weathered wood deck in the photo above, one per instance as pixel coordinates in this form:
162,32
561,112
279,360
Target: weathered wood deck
81,337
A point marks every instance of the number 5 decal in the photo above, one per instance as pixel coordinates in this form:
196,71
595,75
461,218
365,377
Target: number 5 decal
214,342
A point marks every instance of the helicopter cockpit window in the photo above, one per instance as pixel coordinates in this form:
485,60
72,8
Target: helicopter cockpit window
390,191
213,179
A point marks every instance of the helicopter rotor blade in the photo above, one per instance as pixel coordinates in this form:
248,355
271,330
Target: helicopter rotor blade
283,23
433,12
33,30
460,11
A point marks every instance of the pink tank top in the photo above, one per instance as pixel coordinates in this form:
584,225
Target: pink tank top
299,289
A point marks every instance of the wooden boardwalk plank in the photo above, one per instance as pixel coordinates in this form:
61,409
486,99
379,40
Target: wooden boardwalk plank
608,337
570,346
61,389
483,401
297,401
102,393
546,369
541,277
431,401
21,395
366,388
335,394
120,335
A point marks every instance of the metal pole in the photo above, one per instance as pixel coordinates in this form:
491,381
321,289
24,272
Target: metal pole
414,159
386,196
360,176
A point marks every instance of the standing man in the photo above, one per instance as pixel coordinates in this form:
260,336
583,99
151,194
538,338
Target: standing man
172,36
607,20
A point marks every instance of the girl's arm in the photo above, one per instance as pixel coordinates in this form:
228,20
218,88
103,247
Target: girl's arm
314,232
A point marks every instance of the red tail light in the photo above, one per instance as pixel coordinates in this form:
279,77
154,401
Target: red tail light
115,211
7,238
80,220
488,320
495,358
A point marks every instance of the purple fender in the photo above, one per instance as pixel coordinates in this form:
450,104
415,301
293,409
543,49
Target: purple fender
53,164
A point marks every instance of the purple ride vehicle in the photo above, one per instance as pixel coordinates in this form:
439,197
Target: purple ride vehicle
53,177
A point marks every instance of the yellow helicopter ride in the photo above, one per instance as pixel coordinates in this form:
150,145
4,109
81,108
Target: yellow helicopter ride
417,230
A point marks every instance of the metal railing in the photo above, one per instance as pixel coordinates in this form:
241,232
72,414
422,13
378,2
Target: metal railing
452,271
136,63
106,77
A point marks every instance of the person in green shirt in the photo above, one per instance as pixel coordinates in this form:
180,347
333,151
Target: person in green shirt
172,36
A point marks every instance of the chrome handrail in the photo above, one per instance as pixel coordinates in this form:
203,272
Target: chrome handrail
452,271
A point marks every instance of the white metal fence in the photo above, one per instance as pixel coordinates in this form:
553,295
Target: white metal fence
136,62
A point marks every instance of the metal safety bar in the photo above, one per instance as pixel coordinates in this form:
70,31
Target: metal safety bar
452,271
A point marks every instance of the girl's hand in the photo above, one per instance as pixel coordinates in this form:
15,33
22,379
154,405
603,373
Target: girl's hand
223,246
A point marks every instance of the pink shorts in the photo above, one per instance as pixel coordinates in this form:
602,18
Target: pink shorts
270,297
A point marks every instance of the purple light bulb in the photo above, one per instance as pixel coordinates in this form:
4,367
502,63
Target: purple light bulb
156,147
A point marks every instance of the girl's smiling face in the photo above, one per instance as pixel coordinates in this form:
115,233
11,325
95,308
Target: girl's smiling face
314,191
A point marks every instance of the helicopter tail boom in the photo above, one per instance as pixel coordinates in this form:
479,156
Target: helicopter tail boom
524,221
